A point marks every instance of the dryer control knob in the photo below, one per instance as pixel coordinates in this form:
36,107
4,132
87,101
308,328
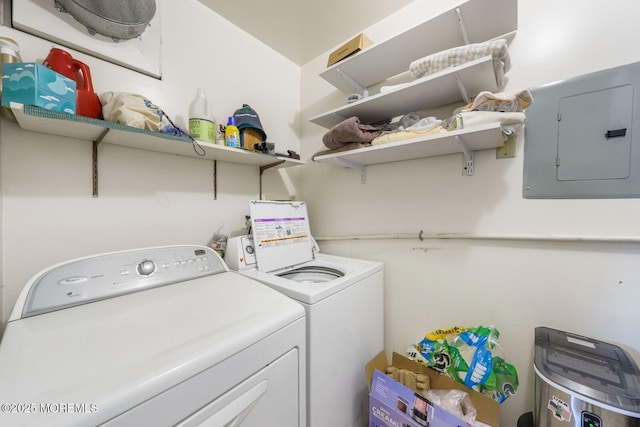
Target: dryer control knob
146,267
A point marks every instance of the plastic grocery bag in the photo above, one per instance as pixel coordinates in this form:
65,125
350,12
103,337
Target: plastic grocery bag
135,110
471,356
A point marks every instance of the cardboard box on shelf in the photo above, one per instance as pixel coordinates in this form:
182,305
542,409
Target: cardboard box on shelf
30,83
354,45
393,404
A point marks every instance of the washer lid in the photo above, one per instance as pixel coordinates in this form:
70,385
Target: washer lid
281,234
595,369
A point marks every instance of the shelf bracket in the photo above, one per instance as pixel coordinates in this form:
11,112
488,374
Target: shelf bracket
94,160
264,168
354,84
357,167
215,180
462,89
463,29
468,155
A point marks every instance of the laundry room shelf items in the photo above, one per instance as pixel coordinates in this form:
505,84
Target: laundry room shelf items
459,141
428,92
469,21
99,131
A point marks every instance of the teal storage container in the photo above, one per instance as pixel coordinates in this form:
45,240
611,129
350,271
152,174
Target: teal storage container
30,83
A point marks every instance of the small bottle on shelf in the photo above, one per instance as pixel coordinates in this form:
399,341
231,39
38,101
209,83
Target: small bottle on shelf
232,134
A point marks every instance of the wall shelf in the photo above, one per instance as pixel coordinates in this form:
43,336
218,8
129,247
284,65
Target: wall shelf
431,91
458,141
99,131
469,21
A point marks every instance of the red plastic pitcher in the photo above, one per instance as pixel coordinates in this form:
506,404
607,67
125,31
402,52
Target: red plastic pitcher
87,101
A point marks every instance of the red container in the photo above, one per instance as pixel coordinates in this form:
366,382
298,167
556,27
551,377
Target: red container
87,101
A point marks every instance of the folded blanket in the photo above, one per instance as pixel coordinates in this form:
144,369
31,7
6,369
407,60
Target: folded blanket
505,102
463,54
406,134
350,130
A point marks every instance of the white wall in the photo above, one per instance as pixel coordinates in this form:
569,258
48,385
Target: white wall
48,214
145,198
587,288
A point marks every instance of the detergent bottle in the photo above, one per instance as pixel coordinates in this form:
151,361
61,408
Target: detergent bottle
87,101
202,126
232,134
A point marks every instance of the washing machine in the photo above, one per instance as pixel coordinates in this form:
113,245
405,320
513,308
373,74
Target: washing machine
164,336
342,297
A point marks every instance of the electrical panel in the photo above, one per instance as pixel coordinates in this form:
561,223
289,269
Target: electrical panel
581,139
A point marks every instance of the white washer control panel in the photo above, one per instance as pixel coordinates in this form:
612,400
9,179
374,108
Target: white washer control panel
104,276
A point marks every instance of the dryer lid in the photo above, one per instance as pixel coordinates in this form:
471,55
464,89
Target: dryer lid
281,234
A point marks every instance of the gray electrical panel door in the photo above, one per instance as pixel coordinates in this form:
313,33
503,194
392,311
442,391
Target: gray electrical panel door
579,137
585,150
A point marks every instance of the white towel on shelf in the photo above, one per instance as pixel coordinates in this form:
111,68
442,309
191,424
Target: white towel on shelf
464,120
498,50
506,102
510,122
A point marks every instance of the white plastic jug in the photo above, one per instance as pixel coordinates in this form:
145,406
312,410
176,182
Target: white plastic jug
202,126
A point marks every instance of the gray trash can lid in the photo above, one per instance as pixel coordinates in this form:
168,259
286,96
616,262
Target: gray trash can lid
588,367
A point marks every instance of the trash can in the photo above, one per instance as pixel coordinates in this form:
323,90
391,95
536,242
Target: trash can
583,382
525,420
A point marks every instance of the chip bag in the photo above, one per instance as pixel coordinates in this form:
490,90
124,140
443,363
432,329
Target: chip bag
471,356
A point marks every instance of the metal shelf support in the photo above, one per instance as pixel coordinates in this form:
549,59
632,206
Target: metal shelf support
465,37
354,84
468,154
264,168
357,167
463,29
94,160
215,180
461,88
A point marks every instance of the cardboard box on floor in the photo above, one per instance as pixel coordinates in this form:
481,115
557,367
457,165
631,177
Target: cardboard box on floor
487,408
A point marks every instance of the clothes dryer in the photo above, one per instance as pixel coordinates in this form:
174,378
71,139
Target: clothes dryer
152,337
343,300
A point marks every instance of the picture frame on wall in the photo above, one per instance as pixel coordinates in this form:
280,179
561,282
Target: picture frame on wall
123,32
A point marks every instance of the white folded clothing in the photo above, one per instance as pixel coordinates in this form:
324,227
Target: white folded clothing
508,101
467,119
498,50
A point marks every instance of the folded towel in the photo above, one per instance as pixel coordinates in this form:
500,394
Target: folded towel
505,102
469,119
510,122
462,54
350,130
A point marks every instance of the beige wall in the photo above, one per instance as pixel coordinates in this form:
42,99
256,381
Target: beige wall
515,285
